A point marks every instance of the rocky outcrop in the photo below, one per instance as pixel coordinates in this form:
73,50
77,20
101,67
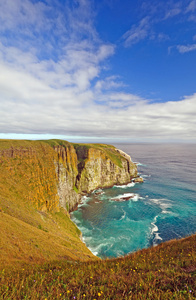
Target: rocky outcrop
84,168
138,180
98,170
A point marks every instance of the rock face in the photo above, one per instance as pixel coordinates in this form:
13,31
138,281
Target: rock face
56,173
97,170
83,168
66,166
138,180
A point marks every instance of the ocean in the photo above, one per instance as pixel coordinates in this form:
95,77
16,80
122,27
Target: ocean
160,209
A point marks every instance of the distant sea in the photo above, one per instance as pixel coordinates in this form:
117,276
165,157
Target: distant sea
162,208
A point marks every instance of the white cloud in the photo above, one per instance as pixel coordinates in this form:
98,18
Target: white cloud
192,6
186,48
31,105
21,13
111,82
125,100
163,37
137,33
67,95
173,12
156,13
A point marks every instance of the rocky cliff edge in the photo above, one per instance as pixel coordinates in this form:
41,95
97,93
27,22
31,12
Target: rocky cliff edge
56,173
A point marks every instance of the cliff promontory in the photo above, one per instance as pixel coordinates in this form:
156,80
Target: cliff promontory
40,182
81,168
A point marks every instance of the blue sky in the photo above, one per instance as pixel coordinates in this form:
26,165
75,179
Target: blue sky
98,70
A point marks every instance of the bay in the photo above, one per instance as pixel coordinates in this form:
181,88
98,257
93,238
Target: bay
161,208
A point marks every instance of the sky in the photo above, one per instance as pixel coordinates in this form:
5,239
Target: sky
98,70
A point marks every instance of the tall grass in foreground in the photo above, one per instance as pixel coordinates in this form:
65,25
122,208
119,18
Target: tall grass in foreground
167,271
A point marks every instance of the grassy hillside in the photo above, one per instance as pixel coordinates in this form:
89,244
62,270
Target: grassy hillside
33,228
52,237
167,271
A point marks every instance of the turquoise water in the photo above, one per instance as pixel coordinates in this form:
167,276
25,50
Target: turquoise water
161,208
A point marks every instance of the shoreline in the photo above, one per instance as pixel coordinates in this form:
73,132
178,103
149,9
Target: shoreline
98,191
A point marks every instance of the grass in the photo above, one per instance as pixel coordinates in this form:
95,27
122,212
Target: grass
167,271
54,238
107,150
32,226
56,142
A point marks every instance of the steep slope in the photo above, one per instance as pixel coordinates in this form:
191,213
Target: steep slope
54,237
40,182
167,271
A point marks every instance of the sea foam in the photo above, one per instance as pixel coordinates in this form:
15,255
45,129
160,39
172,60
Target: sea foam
154,231
124,186
122,197
139,164
163,204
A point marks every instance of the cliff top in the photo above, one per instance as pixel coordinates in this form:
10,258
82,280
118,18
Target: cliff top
109,150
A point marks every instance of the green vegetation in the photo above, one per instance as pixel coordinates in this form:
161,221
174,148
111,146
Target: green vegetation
56,142
40,227
107,150
167,271
75,189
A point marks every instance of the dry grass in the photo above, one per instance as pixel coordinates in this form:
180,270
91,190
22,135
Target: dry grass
167,271
56,237
33,228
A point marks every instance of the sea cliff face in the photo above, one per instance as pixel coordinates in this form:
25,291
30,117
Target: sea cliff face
98,170
83,168
55,173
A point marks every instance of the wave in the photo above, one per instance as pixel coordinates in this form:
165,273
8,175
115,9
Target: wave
124,186
135,198
156,238
139,164
98,192
125,197
123,216
105,243
163,204
84,201
154,231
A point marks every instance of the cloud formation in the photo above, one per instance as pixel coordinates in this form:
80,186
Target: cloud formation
192,6
65,91
186,48
137,33
155,14
33,105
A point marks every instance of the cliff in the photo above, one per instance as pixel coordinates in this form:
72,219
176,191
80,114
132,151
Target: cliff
55,173
40,181
82,168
